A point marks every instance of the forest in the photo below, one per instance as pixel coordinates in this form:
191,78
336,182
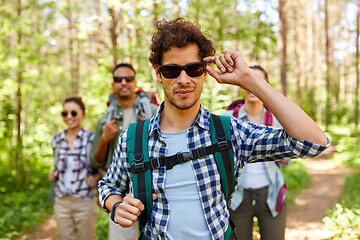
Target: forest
53,49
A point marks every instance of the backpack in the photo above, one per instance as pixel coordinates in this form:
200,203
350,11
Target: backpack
142,166
236,106
144,108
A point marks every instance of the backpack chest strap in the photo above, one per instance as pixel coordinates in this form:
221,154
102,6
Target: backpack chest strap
178,158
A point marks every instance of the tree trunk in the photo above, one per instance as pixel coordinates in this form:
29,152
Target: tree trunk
176,9
19,71
282,44
297,49
113,34
356,112
155,12
100,39
327,60
73,51
310,60
318,53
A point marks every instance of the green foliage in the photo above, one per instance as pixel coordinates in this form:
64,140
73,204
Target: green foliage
102,225
347,152
296,178
344,217
23,210
345,221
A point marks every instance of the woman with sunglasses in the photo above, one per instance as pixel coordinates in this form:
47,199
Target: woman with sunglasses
75,205
261,189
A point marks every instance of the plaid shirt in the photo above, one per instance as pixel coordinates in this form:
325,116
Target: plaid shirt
250,143
61,147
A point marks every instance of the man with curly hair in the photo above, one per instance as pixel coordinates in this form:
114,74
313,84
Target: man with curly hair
188,200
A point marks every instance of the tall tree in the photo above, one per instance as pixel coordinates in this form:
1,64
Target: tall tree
356,112
282,44
328,67
113,34
100,38
310,75
297,47
19,76
176,8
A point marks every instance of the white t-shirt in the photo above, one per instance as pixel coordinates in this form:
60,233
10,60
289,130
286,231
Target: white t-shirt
256,176
129,117
187,219
68,172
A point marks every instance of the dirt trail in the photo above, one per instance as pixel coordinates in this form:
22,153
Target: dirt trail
304,218
45,231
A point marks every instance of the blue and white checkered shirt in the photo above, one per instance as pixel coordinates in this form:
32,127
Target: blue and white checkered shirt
250,143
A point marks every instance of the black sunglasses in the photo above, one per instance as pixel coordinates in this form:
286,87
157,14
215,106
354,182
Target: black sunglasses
128,79
194,69
65,113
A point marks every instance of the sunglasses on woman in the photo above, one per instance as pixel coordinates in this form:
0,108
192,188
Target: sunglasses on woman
65,113
128,79
194,69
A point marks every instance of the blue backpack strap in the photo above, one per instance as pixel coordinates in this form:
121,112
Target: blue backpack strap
220,131
137,150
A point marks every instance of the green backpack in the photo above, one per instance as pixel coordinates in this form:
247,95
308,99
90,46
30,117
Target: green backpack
142,166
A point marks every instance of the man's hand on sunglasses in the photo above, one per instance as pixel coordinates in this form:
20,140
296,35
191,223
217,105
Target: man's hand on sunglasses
233,69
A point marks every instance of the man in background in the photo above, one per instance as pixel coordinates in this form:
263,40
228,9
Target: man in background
126,105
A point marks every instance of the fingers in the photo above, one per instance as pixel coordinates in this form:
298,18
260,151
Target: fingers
154,196
110,129
52,175
212,72
128,211
224,62
113,122
134,202
91,181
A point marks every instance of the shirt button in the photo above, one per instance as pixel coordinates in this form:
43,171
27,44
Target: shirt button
164,202
160,173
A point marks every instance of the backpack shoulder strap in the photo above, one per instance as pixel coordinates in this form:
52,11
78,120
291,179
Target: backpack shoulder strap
137,150
89,141
235,107
220,131
268,118
56,149
111,110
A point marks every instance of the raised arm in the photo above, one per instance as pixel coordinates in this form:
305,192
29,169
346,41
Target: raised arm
235,71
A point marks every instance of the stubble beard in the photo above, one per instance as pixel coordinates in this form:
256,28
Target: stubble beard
182,104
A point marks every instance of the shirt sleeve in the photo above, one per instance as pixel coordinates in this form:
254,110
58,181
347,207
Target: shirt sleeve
254,143
98,131
117,177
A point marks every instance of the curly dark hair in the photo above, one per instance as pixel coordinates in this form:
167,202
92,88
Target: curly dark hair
178,33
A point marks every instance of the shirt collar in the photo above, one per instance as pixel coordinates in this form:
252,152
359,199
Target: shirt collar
202,119
80,134
244,116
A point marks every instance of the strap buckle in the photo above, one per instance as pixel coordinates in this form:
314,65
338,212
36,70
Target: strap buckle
138,167
138,157
199,152
223,145
186,156
155,163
